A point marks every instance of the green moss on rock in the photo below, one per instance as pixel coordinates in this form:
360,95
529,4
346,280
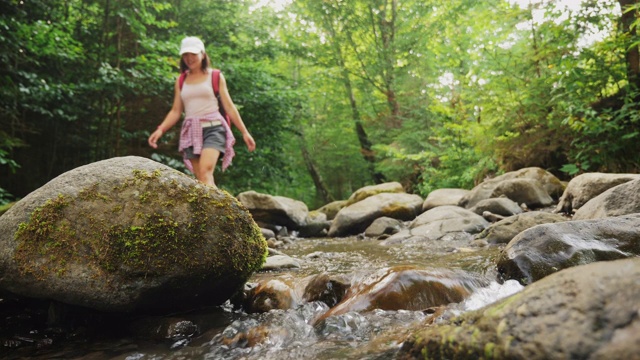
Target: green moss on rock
144,226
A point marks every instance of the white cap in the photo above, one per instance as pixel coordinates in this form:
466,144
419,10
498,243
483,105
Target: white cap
191,44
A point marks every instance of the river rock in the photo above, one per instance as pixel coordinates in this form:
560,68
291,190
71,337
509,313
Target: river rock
367,191
268,233
383,226
587,186
329,289
271,294
441,197
500,206
119,234
586,312
551,185
280,262
619,200
316,225
545,249
523,191
405,288
275,210
503,231
160,328
451,223
355,218
331,209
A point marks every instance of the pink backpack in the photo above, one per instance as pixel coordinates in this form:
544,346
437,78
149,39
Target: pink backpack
215,81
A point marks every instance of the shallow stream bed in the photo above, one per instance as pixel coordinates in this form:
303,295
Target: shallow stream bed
288,334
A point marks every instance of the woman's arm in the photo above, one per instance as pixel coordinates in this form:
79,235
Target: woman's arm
171,119
232,111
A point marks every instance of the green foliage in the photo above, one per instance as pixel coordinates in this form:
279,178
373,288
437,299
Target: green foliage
265,103
605,139
428,93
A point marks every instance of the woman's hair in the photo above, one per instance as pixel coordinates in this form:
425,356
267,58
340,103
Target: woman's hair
204,66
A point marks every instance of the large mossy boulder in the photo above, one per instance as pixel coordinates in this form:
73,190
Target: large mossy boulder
128,234
586,312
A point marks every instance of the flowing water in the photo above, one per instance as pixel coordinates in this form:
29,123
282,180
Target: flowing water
228,333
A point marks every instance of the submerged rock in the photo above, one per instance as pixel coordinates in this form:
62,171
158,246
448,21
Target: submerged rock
271,294
328,289
586,312
405,288
128,234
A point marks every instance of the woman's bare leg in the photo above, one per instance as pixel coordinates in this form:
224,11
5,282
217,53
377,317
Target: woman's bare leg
204,165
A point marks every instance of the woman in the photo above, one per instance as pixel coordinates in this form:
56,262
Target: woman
205,133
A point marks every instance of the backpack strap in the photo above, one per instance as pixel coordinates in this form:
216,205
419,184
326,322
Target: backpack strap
181,79
215,79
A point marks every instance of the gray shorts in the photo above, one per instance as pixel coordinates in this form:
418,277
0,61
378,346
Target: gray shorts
213,137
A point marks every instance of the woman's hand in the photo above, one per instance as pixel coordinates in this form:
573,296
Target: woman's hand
248,139
154,137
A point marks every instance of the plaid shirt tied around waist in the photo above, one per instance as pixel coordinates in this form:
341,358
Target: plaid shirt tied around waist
191,135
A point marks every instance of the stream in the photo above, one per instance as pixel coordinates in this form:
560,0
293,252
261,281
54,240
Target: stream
288,334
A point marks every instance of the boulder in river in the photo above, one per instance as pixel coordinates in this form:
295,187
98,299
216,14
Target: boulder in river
354,219
405,288
371,190
275,210
500,206
451,223
549,183
618,200
503,231
441,197
128,234
545,249
586,312
585,187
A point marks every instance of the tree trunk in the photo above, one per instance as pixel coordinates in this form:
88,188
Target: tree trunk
321,188
363,138
633,55
387,24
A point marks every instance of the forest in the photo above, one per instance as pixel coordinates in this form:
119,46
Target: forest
338,94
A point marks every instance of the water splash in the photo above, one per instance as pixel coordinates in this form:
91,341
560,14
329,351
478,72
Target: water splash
490,294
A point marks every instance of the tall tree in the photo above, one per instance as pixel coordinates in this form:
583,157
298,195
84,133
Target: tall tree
628,19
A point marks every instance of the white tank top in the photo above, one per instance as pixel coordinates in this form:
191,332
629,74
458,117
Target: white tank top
198,99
